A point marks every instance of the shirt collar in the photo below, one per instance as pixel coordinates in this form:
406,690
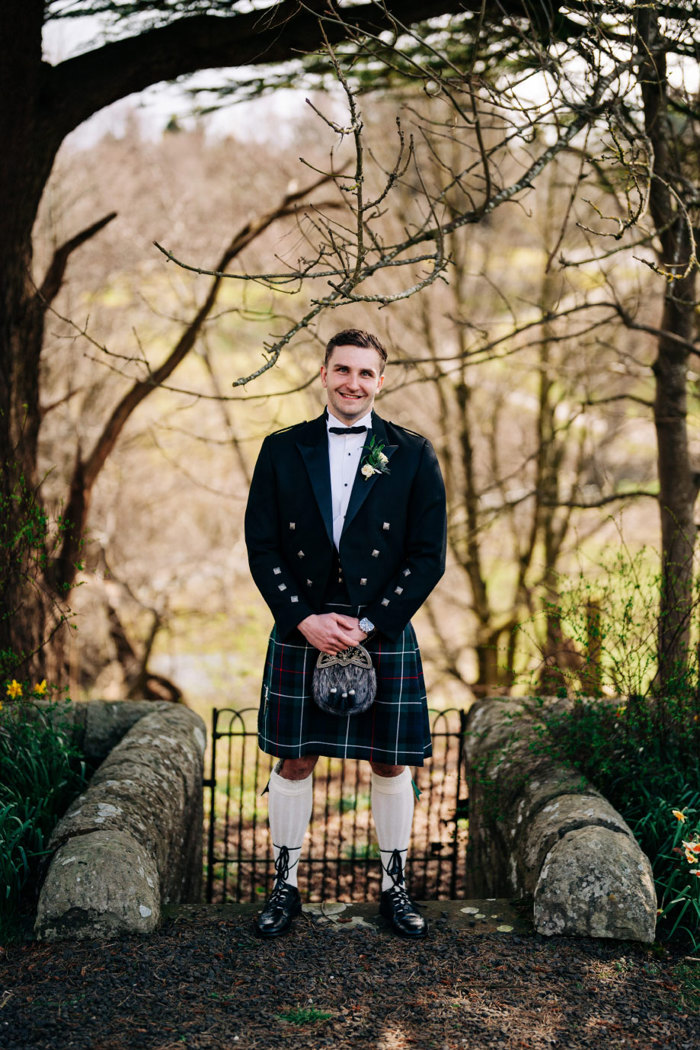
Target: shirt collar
332,421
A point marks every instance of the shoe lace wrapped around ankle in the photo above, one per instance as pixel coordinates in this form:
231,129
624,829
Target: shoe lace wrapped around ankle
282,865
394,868
281,889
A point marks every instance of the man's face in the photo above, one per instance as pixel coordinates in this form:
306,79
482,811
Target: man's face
352,379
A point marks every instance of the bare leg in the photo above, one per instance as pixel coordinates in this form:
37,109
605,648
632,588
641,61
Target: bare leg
297,768
384,770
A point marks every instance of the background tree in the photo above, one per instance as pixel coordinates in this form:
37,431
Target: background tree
163,506
41,104
611,84
529,395
524,84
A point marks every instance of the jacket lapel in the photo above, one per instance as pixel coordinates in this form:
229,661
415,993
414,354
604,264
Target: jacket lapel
314,451
362,486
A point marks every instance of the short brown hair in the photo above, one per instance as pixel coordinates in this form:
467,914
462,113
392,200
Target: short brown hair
356,337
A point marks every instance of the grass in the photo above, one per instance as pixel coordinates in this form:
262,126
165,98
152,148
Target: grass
304,1015
41,772
688,976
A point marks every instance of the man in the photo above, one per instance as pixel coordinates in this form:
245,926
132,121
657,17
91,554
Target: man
345,528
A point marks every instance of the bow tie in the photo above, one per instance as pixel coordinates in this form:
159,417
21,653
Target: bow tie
347,430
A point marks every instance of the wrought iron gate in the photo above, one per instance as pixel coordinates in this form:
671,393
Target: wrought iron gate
340,856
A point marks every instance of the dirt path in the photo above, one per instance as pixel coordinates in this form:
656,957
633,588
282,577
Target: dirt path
203,981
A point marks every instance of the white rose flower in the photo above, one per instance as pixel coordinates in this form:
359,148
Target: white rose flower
383,459
367,471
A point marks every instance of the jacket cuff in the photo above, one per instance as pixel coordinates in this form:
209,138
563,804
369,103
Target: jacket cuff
288,621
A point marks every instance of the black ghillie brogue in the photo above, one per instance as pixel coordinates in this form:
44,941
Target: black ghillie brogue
283,904
397,907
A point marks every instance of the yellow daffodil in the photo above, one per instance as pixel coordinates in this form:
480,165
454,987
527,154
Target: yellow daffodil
40,689
14,689
679,815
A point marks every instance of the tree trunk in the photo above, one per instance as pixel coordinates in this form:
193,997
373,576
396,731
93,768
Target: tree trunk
28,148
677,484
677,487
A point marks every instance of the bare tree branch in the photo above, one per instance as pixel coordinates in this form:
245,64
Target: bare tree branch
81,86
53,279
87,470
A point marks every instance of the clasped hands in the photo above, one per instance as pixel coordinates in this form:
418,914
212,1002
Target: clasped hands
332,632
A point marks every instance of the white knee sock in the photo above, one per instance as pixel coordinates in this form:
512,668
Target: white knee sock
392,809
289,811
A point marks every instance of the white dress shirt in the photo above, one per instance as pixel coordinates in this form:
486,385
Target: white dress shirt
344,452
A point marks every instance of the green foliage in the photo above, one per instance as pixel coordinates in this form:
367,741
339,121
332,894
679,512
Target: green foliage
30,543
304,1015
41,772
688,977
362,851
641,752
650,741
644,756
612,625
349,803
662,829
608,617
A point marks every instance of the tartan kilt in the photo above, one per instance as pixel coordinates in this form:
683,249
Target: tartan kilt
394,730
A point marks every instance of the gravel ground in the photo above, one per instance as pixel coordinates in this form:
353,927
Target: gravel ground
204,981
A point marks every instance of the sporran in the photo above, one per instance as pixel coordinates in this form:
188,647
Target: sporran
345,683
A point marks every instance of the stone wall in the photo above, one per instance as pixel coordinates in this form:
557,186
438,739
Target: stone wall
132,841
537,828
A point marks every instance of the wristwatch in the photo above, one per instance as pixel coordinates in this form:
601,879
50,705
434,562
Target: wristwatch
367,626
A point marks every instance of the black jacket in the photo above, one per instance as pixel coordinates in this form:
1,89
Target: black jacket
392,548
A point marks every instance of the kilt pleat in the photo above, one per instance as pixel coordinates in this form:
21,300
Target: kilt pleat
394,730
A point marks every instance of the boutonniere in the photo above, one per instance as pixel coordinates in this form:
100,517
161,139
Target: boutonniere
374,461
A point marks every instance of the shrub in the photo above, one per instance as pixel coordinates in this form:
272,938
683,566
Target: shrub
41,772
626,745
644,756
670,837
643,751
